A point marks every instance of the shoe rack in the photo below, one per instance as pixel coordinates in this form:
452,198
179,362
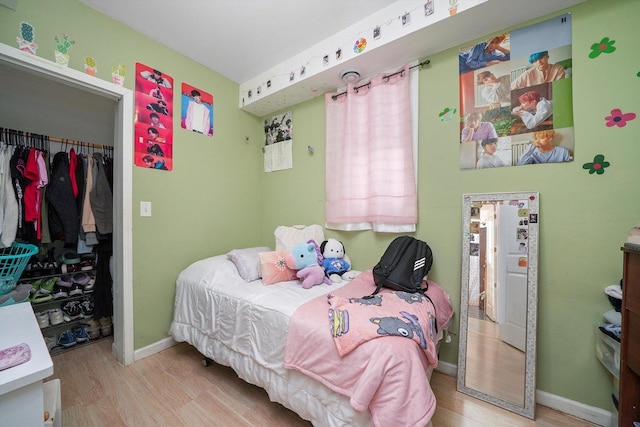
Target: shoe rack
62,300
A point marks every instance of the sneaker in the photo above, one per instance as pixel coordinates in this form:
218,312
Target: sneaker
105,326
65,281
46,288
72,310
43,319
86,265
80,334
87,308
81,278
76,289
55,316
88,287
51,343
67,339
60,292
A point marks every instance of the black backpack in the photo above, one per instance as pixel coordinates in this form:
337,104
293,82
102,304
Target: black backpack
403,266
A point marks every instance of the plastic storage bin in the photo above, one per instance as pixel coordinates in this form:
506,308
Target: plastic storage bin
608,352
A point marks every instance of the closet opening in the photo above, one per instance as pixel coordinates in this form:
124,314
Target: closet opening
42,97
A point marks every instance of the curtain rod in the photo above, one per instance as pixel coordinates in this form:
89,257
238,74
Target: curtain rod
385,78
58,140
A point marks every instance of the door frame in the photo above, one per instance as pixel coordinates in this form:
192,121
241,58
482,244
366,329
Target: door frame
122,183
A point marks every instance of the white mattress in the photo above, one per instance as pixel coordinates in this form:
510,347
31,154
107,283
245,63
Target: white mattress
244,326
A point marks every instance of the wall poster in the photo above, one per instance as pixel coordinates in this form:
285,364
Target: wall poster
516,97
153,119
197,110
278,142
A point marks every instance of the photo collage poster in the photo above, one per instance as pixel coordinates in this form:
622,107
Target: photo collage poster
154,119
516,103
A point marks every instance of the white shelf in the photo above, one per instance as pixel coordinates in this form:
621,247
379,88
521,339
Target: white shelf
21,389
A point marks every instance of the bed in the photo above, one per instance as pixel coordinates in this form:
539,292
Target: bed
245,325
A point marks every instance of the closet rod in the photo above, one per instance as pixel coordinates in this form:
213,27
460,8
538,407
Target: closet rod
80,143
59,140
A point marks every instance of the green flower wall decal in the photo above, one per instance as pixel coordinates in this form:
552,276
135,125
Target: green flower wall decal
598,165
605,46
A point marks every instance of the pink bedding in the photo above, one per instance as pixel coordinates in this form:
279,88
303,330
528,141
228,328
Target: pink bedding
386,375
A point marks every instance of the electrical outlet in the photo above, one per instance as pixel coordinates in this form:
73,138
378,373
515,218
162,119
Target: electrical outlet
145,208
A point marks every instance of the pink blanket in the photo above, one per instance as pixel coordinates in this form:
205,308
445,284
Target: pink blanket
386,375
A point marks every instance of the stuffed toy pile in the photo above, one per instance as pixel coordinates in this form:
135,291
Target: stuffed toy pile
306,259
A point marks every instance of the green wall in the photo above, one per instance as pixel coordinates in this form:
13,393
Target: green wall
584,218
218,197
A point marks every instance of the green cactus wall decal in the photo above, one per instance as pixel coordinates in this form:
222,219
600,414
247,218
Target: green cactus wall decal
120,70
26,31
64,45
91,62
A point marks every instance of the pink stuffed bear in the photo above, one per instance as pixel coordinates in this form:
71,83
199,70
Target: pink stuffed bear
304,258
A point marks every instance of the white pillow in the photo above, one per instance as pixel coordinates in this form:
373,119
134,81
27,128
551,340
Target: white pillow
289,237
247,262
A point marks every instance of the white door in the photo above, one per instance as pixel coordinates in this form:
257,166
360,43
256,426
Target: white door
487,219
513,274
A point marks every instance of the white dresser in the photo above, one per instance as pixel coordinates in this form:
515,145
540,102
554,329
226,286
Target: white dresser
22,395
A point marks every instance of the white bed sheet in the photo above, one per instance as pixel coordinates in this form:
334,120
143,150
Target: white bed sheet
244,326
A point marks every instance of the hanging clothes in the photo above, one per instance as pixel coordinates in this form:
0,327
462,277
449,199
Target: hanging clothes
9,205
64,223
101,198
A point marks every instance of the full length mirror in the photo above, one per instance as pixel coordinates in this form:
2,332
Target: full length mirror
498,308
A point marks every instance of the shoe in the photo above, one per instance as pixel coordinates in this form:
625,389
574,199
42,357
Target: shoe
60,292
65,280
80,334
86,266
67,339
76,289
87,308
46,288
92,327
105,326
51,343
81,278
88,287
55,316
72,310
43,319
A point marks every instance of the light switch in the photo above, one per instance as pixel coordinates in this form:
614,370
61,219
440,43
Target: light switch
145,208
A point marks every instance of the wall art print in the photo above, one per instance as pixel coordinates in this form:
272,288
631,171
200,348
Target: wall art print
154,119
516,97
197,110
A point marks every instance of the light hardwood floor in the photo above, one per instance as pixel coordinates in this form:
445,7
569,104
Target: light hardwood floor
172,388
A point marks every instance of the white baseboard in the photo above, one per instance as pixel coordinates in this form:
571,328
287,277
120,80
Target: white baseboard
447,368
592,414
154,348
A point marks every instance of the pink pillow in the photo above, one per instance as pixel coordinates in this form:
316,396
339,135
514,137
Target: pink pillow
274,269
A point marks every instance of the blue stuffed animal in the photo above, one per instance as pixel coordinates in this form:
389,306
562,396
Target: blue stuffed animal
304,258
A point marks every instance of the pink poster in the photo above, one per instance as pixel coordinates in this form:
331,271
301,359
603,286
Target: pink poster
154,119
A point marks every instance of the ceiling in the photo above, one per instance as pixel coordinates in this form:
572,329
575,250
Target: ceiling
242,38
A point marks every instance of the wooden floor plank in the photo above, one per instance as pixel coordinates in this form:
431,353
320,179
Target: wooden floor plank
172,388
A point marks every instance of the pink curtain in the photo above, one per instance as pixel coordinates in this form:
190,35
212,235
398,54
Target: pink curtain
370,180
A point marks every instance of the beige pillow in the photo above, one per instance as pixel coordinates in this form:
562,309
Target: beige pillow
247,261
289,237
